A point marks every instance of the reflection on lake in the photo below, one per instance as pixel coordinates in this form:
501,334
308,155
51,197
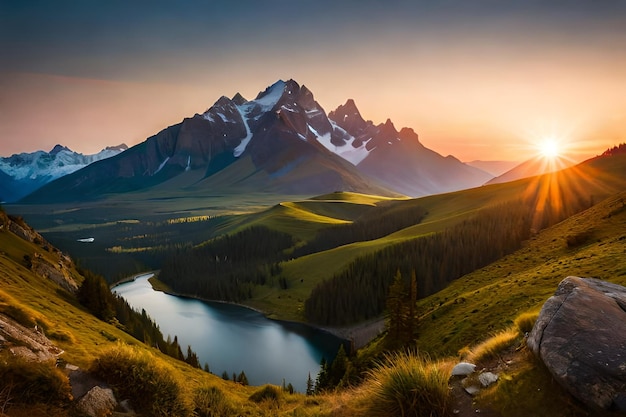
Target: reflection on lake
233,338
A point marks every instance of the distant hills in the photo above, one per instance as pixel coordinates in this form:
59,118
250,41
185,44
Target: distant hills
532,167
21,174
281,142
495,168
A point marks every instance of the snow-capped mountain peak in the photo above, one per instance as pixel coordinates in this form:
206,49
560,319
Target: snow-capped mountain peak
29,171
281,141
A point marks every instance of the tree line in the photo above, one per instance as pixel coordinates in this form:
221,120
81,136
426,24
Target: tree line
228,267
615,150
377,222
360,291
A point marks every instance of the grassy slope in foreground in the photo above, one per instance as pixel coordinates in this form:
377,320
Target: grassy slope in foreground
83,338
589,244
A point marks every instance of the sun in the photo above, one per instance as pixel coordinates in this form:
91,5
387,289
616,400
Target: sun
549,148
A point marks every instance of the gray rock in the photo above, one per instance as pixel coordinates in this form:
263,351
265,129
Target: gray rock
487,378
580,336
97,402
463,369
472,390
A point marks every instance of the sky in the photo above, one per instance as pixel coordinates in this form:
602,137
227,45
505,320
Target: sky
480,79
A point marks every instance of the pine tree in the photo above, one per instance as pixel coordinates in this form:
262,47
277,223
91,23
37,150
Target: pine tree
310,385
192,358
242,378
412,321
321,382
94,293
338,367
395,307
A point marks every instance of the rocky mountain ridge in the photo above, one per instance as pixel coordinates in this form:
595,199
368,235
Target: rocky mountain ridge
282,141
23,173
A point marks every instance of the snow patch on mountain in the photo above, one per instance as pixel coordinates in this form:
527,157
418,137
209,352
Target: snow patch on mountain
162,165
243,111
253,109
271,96
347,151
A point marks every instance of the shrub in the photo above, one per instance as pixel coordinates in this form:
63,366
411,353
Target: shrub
578,239
494,345
22,314
30,382
211,402
267,392
526,321
408,384
61,335
148,382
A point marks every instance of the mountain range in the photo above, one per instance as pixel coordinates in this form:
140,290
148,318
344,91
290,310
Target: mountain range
21,174
281,142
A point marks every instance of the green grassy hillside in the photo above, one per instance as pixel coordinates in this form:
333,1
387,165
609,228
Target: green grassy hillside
589,244
470,310
86,342
589,182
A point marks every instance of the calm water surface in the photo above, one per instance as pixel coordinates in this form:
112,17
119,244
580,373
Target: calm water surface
233,338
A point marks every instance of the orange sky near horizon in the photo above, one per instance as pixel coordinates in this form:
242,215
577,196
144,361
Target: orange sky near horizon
487,91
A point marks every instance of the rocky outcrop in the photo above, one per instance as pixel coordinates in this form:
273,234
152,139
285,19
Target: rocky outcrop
29,343
58,273
580,335
55,267
97,402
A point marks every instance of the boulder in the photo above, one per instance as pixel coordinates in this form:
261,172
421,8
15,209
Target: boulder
463,369
97,402
580,336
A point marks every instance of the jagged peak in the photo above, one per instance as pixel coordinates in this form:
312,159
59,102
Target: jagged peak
305,91
238,99
58,148
349,108
223,101
292,86
348,111
272,89
388,130
407,133
120,147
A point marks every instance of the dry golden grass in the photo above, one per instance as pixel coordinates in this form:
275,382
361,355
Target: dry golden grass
525,321
408,384
491,347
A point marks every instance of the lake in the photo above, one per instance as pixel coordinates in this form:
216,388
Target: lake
233,338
